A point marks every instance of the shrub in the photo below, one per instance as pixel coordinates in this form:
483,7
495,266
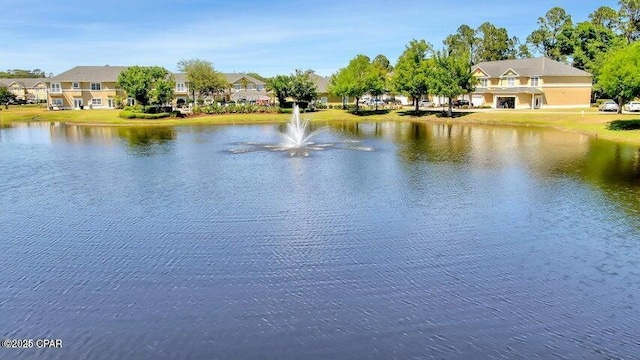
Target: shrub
126,114
624,125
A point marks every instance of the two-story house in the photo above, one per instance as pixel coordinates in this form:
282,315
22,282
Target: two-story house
34,89
531,84
243,87
95,87
85,86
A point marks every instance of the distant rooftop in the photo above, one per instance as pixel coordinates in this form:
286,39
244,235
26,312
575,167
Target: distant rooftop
529,67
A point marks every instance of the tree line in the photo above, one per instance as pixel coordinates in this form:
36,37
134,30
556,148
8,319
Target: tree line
21,74
606,45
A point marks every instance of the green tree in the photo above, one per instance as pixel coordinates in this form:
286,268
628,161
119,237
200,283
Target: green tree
630,14
412,71
257,76
464,41
587,43
163,90
380,68
6,96
494,43
545,38
202,78
355,80
451,76
382,62
139,81
302,88
606,17
20,73
280,85
620,74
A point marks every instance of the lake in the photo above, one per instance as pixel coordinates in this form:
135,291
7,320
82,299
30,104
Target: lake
446,242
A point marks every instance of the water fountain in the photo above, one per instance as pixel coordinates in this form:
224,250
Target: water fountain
298,141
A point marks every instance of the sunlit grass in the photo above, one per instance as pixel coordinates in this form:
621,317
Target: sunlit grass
588,121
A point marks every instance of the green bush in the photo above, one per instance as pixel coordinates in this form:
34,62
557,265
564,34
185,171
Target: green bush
126,114
624,125
134,108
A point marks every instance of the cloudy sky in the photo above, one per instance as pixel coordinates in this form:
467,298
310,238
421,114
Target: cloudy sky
267,37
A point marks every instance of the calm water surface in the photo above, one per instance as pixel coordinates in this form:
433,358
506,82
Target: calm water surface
447,242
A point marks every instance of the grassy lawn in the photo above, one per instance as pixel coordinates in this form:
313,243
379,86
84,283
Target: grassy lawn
589,122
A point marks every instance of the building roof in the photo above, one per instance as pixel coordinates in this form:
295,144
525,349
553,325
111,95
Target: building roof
529,67
234,77
24,82
322,83
106,73
109,73
230,77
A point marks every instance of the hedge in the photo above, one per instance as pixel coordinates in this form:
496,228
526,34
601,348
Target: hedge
624,125
127,114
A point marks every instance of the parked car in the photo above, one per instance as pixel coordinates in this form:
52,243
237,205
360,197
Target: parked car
633,106
608,105
459,103
17,102
425,103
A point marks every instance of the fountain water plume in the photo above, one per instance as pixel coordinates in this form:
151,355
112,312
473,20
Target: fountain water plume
297,141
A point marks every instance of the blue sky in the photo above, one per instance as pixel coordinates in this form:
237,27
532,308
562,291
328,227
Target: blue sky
267,37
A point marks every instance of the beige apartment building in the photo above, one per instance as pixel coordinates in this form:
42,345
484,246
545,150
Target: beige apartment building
34,89
533,83
95,87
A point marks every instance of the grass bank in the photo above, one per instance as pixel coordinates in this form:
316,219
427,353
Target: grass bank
589,121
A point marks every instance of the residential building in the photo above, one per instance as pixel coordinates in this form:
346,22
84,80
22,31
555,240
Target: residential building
85,87
243,87
531,84
95,87
34,89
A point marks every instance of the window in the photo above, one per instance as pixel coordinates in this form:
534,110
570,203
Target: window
237,86
511,81
252,86
484,82
76,85
56,102
535,81
131,101
96,102
260,87
55,88
96,86
181,87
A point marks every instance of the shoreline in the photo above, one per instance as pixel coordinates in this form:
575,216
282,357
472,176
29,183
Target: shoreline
588,122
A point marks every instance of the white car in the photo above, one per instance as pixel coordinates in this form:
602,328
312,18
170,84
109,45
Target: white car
608,105
633,106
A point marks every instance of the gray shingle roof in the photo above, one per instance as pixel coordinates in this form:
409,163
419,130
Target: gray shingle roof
105,73
321,82
234,77
109,73
529,67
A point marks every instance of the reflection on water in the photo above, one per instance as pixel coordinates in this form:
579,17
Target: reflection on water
449,241
147,141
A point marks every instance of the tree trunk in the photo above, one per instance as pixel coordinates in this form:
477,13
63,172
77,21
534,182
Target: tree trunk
357,104
620,103
416,104
450,111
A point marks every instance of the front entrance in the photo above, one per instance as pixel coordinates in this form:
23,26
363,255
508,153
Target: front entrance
111,103
506,102
78,104
537,102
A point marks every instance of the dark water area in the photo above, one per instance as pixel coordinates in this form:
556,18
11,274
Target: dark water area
446,242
